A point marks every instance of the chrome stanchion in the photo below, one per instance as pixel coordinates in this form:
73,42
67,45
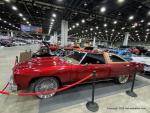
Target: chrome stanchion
131,91
17,59
91,105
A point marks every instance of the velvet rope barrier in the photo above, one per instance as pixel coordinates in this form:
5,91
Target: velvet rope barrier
47,92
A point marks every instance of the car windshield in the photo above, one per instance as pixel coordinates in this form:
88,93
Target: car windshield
76,57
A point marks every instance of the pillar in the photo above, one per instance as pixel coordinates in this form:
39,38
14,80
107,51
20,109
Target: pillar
55,37
11,34
94,42
43,37
64,33
8,34
125,42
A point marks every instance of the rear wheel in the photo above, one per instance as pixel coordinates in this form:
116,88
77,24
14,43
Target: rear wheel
122,79
46,84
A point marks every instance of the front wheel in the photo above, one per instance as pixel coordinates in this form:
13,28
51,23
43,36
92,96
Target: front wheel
122,79
46,84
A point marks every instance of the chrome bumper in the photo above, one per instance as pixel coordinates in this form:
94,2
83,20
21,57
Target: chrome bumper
12,86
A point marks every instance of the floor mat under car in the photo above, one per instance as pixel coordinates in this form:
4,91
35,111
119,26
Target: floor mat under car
82,93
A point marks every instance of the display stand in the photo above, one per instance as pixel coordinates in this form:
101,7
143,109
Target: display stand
131,92
91,105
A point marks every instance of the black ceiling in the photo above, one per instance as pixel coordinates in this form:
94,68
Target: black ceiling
39,13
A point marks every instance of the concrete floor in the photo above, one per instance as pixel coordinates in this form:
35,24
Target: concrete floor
117,103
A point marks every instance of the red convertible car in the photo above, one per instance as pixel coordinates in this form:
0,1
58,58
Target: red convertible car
50,73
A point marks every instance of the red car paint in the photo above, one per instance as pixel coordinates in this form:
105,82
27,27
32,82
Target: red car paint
26,72
54,48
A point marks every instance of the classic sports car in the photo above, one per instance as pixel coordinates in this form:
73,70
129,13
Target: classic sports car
50,73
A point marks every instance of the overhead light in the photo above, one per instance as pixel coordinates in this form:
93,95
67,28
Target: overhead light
7,0
24,19
59,0
133,26
54,15
83,21
105,25
115,22
14,8
73,26
96,27
121,1
148,23
5,21
148,13
123,28
85,4
0,19
52,23
91,29
10,24
142,21
131,17
52,20
27,22
20,14
103,9
77,24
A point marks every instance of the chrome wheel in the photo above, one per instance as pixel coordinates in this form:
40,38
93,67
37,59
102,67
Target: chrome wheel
46,84
123,79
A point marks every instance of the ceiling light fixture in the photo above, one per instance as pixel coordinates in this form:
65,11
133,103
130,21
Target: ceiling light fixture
14,8
77,24
131,17
83,21
52,20
142,21
115,22
148,13
73,26
121,1
20,14
103,9
24,19
91,29
105,25
7,0
54,15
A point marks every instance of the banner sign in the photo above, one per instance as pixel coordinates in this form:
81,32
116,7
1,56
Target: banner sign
34,29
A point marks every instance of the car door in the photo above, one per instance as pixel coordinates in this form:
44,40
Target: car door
118,66
94,62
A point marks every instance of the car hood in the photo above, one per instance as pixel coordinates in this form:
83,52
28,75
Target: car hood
41,62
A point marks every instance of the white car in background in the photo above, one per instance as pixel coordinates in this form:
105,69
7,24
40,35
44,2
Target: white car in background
143,59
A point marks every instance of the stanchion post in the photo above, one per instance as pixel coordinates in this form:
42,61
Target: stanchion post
91,105
131,91
17,59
